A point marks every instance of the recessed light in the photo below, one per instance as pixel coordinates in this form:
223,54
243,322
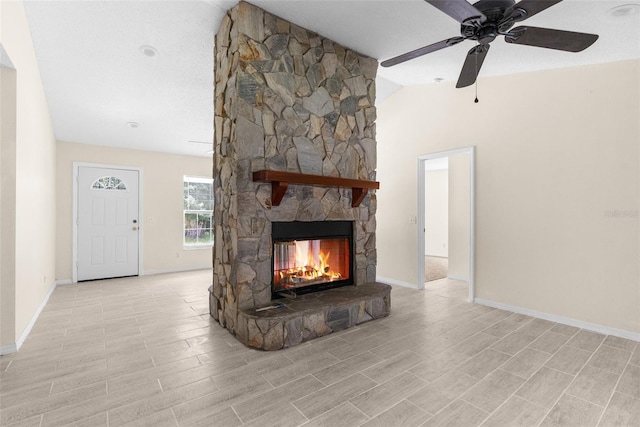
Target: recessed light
149,51
133,125
624,10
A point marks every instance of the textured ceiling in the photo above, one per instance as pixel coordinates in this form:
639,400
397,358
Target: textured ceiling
97,79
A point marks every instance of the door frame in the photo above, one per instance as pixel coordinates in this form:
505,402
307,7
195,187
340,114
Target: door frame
76,170
421,212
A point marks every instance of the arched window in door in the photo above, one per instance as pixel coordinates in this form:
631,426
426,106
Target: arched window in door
108,183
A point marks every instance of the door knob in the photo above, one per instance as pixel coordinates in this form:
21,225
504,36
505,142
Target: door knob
134,228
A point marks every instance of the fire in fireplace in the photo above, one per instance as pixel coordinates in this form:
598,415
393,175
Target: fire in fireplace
311,256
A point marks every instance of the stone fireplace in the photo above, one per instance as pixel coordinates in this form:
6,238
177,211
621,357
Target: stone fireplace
294,145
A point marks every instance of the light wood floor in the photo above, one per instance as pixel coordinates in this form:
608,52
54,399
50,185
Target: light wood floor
144,351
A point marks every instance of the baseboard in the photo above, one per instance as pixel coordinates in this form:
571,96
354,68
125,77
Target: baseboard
150,273
395,282
13,348
560,319
8,349
460,278
176,270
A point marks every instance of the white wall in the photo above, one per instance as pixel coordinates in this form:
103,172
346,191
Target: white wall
459,216
436,213
162,180
7,204
35,202
557,186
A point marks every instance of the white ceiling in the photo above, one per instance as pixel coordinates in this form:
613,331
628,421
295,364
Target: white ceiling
97,79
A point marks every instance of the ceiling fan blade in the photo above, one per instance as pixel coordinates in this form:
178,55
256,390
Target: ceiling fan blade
421,51
460,10
527,8
472,65
551,39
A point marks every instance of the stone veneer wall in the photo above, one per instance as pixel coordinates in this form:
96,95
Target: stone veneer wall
286,99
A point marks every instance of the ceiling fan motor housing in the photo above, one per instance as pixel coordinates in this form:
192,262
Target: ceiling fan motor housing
486,31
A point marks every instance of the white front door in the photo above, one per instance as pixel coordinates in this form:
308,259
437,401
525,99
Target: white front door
107,223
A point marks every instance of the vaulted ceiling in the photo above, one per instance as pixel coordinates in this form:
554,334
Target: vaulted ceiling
138,74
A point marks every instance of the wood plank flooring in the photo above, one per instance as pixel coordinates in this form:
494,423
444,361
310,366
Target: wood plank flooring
143,351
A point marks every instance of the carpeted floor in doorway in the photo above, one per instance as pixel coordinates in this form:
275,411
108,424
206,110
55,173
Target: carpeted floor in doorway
435,268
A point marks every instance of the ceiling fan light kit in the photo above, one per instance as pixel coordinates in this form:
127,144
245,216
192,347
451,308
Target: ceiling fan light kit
485,20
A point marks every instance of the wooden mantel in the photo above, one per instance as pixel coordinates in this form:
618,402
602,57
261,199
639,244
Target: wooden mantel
281,180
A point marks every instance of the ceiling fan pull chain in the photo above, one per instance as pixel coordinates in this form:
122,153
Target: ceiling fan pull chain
476,100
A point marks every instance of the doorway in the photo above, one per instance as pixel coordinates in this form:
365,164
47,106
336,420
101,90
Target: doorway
436,219
106,224
457,241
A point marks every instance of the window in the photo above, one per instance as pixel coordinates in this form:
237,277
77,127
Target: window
198,212
108,183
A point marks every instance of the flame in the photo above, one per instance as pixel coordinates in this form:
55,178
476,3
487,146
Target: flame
310,263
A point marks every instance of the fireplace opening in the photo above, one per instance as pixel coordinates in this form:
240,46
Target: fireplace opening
311,256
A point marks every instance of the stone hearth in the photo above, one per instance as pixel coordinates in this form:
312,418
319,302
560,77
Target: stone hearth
290,100
312,315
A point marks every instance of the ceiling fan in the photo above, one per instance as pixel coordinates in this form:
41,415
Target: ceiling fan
488,19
